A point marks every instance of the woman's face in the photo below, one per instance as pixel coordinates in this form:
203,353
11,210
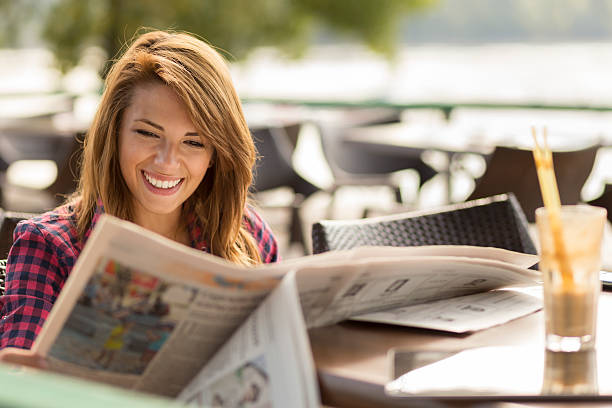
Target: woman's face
162,156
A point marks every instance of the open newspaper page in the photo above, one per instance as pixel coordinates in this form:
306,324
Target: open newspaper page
464,313
145,313
337,291
463,251
266,363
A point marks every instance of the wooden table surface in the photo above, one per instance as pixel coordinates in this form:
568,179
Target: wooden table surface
353,366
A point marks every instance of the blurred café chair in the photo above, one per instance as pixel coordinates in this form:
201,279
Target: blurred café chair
274,170
604,200
496,221
8,222
353,166
68,170
66,155
513,170
293,133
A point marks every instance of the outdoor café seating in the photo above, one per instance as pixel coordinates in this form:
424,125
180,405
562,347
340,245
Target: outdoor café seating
496,221
8,222
275,146
355,166
513,169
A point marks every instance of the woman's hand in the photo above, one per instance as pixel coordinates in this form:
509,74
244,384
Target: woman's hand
12,355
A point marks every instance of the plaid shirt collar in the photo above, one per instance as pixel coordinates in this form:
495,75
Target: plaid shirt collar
193,228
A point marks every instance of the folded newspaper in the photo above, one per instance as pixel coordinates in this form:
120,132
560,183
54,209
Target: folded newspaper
149,314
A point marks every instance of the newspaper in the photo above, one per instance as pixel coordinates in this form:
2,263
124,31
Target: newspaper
464,313
252,368
399,277
146,313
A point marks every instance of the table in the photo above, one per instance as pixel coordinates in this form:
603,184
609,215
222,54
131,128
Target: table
401,139
451,140
353,367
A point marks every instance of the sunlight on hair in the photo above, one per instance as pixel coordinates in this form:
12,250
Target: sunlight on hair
38,174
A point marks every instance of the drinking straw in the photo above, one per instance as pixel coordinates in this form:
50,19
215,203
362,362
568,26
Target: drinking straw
550,195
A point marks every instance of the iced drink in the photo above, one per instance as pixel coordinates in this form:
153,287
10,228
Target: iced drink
570,270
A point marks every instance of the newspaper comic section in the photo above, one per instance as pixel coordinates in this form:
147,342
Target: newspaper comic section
149,314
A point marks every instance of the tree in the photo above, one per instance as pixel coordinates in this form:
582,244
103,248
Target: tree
235,26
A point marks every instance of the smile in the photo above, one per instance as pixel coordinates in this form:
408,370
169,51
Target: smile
163,184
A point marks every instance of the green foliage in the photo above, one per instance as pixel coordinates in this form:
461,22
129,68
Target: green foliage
374,22
234,26
15,17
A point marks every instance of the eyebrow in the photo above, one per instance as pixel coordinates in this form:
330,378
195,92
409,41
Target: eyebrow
161,128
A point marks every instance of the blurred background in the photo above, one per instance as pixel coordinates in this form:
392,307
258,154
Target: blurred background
358,107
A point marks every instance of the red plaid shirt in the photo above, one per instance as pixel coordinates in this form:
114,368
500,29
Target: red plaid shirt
44,251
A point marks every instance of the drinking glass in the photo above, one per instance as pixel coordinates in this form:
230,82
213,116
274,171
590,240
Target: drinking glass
570,265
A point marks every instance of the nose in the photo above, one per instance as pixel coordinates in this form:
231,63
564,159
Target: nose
167,155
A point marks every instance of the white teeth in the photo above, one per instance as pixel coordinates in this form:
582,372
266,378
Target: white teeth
161,184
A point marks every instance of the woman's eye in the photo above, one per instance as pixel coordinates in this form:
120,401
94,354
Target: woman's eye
194,143
146,133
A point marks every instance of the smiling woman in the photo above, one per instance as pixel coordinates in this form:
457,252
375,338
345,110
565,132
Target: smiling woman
168,149
163,158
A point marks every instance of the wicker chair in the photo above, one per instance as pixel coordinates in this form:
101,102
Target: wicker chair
8,222
496,221
2,275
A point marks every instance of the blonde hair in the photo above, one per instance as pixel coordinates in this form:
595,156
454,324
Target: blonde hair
201,79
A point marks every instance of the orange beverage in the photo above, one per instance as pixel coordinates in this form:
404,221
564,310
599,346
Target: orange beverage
571,279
